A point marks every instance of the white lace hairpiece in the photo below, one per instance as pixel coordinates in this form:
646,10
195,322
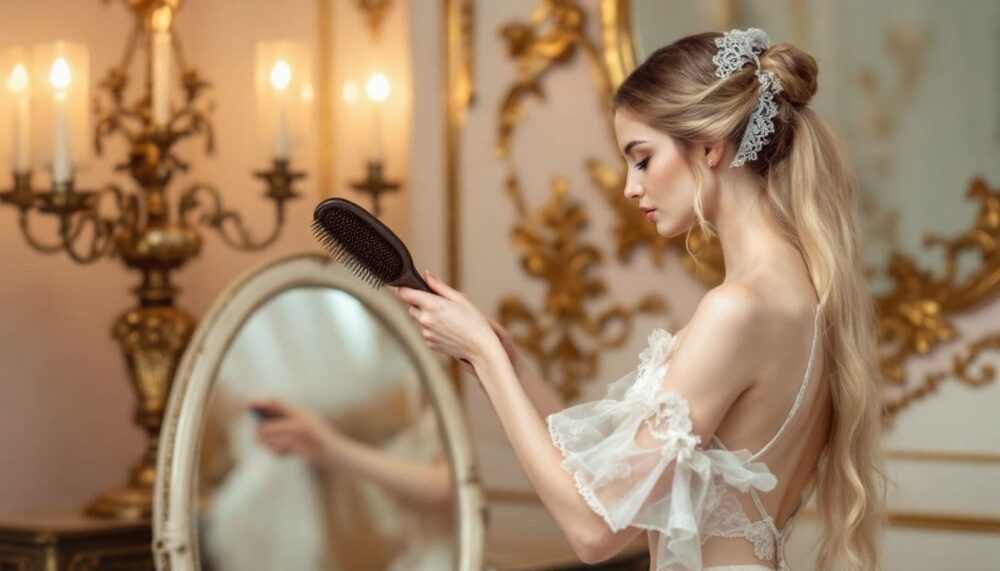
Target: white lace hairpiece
736,49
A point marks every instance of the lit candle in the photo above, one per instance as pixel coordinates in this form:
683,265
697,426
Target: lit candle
377,90
281,76
161,66
17,84
62,166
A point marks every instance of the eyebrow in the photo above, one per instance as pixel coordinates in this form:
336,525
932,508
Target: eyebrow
629,146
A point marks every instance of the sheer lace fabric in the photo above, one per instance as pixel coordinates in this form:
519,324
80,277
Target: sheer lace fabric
677,488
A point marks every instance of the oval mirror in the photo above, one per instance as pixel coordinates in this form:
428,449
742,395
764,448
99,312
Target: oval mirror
310,428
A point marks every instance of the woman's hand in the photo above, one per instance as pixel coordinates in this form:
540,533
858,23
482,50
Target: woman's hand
292,430
449,323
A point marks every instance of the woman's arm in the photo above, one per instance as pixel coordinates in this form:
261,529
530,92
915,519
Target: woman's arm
587,533
293,430
543,396
417,483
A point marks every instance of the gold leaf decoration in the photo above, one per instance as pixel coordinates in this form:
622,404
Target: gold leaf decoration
549,40
913,317
551,250
960,371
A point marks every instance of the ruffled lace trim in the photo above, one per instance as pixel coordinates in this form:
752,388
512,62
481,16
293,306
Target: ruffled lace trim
616,477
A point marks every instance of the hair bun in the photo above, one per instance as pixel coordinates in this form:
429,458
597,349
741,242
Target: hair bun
796,69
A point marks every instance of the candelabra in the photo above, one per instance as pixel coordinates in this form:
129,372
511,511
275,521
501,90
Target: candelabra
375,184
149,232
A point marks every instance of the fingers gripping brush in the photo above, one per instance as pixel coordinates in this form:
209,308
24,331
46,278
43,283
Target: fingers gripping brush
365,245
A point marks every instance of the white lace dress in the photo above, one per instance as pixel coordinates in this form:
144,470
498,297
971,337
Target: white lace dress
616,476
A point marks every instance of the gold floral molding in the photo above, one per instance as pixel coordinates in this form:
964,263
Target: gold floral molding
913,317
552,250
549,40
376,11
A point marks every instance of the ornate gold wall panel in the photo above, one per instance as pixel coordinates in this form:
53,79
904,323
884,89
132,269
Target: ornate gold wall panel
916,315
550,241
551,249
550,39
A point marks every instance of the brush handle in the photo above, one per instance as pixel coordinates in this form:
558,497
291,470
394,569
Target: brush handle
412,279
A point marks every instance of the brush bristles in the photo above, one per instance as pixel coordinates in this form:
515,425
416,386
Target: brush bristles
351,242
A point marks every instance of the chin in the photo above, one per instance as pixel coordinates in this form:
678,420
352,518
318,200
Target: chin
670,229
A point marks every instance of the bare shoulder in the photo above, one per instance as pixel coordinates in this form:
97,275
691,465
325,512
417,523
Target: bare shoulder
717,356
729,319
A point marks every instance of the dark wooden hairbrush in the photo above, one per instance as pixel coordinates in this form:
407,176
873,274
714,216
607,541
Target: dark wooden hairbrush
365,245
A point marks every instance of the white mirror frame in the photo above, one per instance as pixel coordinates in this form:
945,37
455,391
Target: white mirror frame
175,544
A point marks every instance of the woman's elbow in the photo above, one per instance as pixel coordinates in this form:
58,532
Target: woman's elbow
592,547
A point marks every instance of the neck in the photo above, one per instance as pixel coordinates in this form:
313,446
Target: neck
752,244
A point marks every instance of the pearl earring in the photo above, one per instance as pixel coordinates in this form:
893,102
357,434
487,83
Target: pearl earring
710,163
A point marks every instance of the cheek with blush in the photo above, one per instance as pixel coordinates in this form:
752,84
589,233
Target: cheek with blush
667,182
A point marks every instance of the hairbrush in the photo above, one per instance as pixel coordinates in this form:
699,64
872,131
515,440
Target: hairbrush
263,414
365,245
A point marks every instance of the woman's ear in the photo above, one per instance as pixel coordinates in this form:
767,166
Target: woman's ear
712,153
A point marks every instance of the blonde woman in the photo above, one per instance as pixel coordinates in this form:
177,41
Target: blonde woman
770,393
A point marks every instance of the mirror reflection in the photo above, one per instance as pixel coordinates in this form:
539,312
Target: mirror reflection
321,450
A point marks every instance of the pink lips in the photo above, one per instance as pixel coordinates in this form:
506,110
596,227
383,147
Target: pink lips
650,214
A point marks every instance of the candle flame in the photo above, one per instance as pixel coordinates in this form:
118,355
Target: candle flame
377,87
60,75
160,19
281,75
17,82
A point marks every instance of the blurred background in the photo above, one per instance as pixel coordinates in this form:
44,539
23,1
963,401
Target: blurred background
152,152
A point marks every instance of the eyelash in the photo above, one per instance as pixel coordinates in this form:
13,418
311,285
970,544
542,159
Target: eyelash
641,165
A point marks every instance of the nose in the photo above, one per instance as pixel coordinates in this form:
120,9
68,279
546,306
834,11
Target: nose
632,189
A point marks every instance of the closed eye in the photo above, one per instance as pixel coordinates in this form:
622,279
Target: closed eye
641,165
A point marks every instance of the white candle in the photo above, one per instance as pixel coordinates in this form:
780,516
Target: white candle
62,166
17,84
377,90
161,66
377,133
281,76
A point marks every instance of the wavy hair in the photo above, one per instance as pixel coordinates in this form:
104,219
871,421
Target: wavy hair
812,196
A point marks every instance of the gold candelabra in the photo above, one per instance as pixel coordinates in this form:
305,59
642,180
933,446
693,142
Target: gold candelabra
375,184
149,232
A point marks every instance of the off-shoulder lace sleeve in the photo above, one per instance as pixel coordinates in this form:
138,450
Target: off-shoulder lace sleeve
670,486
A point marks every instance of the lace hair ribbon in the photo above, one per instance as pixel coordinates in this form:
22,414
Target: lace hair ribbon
736,49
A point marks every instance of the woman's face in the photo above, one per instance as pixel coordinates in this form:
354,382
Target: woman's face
658,177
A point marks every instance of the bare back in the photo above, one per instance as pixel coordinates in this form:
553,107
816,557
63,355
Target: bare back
789,437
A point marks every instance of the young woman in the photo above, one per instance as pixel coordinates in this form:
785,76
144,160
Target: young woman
771,391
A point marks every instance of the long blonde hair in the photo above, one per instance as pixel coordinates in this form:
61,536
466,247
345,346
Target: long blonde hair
813,198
